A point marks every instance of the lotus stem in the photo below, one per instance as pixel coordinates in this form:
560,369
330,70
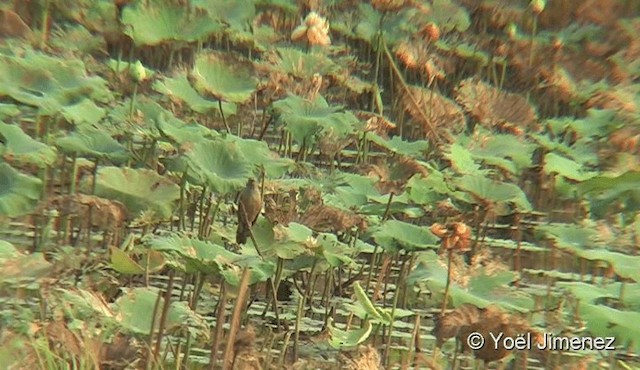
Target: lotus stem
404,85
446,289
283,351
238,309
385,216
132,103
150,354
385,356
45,24
534,29
224,120
217,332
165,313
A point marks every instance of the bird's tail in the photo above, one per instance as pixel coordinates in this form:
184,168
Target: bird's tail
241,234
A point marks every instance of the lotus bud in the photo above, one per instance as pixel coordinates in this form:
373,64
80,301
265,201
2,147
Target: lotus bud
138,72
512,30
537,6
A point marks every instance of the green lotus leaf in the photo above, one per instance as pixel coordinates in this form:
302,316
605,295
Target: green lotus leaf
123,263
185,133
305,119
483,290
449,16
303,65
180,88
339,339
219,164
397,145
393,235
138,189
590,293
481,189
505,151
100,16
238,14
335,252
565,167
224,78
462,160
8,251
54,85
258,153
8,110
19,193
154,23
396,26
604,191
93,143
606,321
201,256
135,310
21,148
570,237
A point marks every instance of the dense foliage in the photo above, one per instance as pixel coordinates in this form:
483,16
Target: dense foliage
427,168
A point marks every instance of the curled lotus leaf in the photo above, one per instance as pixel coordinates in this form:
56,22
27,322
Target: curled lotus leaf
19,193
223,77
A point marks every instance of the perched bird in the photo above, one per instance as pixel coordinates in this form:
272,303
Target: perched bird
249,206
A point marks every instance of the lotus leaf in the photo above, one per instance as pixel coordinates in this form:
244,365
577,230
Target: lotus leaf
8,110
158,22
339,339
93,143
258,153
565,167
603,191
220,164
393,235
180,88
238,14
607,321
54,85
19,193
397,145
305,119
224,78
135,306
138,189
21,148
481,189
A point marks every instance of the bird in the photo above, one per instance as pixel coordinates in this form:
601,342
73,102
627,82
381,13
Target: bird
249,207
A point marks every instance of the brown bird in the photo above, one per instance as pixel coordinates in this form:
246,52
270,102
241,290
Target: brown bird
249,207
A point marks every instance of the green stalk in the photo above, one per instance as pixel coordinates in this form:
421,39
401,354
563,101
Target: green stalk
132,104
238,309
